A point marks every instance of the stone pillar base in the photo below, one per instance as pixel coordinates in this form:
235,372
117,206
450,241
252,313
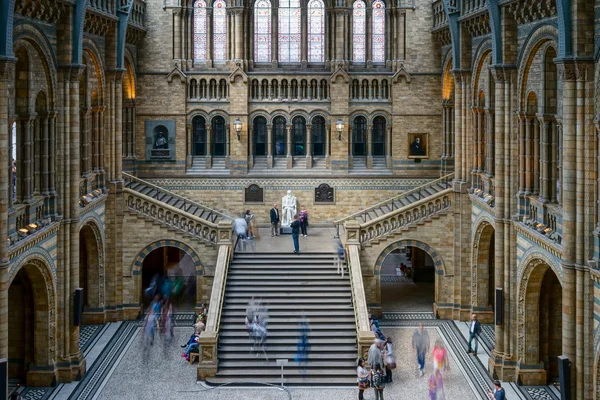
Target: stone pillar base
74,372
531,375
208,161
269,162
290,162
327,162
365,340
44,376
388,162
93,317
309,162
370,162
505,370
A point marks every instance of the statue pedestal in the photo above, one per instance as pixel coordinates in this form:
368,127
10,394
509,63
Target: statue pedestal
285,230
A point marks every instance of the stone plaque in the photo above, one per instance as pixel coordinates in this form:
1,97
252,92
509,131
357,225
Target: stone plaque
160,140
324,194
254,194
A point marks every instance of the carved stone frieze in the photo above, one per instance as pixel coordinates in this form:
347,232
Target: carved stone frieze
525,11
45,10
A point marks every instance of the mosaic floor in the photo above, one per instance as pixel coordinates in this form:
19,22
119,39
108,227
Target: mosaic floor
121,366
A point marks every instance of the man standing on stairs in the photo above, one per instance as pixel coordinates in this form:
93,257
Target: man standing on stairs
295,225
474,329
274,220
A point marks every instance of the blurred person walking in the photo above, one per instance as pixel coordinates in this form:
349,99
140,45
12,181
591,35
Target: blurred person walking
440,357
375,354
252,229
435,384
303,345
389,360
420,343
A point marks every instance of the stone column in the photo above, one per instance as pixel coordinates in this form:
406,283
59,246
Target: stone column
328,145
239,34
227,144
28,160
37,139
274,36
369,34
45,167
309,149
7,66
209,34
553,132
544,163
270,146
388,147
177,33
52,166
304,38
477,143
370,146
288,131
536,157
528,134
208,146
190,145
458,103
489,142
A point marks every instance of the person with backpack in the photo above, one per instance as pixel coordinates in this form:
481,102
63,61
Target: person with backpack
498,393
378,381
303,217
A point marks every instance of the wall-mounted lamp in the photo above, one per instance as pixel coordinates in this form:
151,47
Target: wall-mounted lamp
237,125
339,126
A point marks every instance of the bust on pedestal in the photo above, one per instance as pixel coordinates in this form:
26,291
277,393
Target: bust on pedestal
288,210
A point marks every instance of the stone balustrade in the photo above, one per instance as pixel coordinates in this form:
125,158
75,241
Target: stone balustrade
409,215
197,227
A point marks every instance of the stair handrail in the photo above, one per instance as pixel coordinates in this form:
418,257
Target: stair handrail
446,180
187,201
364,335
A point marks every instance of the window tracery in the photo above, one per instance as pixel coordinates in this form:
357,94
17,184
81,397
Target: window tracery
200,31
262,31
219,30
289,31
359,22
316,31
378,21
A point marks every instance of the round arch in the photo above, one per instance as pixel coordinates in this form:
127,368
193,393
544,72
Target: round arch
482,267
438,262
91,264
138,261
34,281
539,292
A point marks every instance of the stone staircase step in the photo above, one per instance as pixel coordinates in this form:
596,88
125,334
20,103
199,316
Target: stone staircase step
288,381
242,334
272,363
317,356
286,295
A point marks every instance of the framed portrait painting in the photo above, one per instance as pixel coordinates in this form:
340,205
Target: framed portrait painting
418,145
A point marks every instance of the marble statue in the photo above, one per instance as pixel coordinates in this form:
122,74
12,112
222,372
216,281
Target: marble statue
288,208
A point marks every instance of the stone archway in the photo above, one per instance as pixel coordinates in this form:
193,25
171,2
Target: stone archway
32,324
420,253
152,249
540,323
91,273
483,273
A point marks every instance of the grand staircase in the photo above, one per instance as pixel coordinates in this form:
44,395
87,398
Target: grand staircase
290,286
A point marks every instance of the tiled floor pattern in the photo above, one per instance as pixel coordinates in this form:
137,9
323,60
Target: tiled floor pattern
87,334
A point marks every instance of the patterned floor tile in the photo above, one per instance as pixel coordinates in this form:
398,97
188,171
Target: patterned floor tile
408,316
87,334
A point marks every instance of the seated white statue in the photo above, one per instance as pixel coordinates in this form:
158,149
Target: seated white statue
288,208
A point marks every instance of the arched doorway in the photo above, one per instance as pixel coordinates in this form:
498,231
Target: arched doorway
407,279
91,258
199,132
540,325
484,273
299,136
31,335
169,270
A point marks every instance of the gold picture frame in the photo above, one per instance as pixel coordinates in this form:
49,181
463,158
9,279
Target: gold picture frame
418,145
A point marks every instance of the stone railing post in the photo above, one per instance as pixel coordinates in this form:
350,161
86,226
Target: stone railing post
207,345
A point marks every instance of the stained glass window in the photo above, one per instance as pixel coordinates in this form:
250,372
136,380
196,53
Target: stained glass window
219,30
289,31
378,31
200,31
359,25
316,31
262,31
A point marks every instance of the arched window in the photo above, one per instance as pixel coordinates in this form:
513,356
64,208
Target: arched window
359,137
378,31
219,137
199,131
378,137
219,30
289,31
260,136
262,31
359,24
200,31
318,136
299,135
279,136
316,31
